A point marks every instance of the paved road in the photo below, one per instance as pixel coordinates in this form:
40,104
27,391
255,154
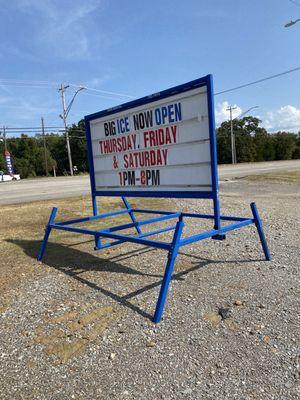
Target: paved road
54,188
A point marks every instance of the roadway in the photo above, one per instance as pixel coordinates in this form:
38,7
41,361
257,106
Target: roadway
28,190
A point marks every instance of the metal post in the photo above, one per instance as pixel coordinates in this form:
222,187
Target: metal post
95,212
260,231
64,117
168,271
4,138
45,148
47,233
94,204
233,159
131,214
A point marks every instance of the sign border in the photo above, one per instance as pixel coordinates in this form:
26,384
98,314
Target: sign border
213,194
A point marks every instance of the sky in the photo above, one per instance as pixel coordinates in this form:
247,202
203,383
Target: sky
132,48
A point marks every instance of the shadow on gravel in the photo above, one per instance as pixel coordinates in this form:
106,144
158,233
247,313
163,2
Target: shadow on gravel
74,262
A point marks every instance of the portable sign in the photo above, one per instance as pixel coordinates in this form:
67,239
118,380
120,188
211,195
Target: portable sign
156,146
162,145
8,160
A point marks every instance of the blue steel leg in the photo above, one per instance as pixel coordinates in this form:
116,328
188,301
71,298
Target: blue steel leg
260,231
47,233
95,212
217,219
168,272
94,203
131,214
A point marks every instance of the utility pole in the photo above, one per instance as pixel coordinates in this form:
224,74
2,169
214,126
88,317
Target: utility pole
66,111
45,148
233,151
4,138
64,117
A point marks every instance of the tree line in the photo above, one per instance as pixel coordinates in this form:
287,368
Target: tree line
253,143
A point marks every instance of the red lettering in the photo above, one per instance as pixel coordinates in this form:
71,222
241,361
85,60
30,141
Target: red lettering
146,138
146,158
125,160
168,136
174,131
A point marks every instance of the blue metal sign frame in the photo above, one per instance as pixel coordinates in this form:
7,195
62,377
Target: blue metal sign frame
205,81
139,236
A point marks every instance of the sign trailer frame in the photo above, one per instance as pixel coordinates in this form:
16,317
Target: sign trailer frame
140,237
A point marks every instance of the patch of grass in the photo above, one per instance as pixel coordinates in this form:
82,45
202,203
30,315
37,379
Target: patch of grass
278,176
22,229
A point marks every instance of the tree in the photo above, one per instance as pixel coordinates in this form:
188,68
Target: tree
78,146
285,145
244,129
224,143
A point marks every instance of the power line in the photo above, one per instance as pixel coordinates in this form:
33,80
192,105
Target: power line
40,137
258,81
34,127
45,84
103,91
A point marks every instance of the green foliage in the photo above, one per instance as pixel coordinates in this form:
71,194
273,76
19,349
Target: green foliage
285,145
29,153
254,143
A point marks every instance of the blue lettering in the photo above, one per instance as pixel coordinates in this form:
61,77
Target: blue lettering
171,112
164,112
127,128
118,126
178,116
157,116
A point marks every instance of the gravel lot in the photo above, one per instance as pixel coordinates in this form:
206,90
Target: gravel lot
78,327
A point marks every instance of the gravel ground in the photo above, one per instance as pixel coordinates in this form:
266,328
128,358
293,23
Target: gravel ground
79,327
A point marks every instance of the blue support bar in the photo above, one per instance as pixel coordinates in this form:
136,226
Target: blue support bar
104,232
158,231
146,211
207,234
213,152
47,233
152,233
95,213
131,214
260,231
145,222
168,271
92,218
94,204
124,238
190,215
97,243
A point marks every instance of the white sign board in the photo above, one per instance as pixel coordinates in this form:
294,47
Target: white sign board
160,146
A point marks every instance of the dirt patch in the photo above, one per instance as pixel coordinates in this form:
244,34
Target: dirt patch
61,341
278,176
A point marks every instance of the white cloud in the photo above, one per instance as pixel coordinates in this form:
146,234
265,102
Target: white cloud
222,114
62,28
286,118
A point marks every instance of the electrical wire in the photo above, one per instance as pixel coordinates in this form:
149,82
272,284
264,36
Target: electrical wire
258,81
33,127
45,84
2,82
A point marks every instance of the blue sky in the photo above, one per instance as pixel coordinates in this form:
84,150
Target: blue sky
138,47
